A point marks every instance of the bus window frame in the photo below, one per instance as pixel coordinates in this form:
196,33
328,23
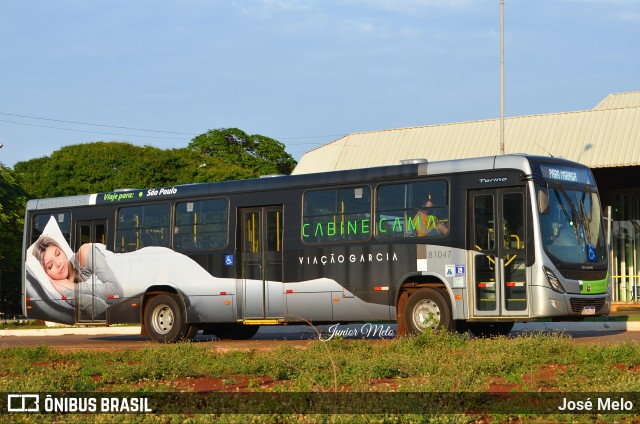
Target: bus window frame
49,215
341,240
175,224
414,238
143,205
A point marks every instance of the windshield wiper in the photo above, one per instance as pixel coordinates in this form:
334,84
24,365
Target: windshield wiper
576,219
586,222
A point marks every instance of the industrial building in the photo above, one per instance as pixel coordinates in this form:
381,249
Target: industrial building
605,138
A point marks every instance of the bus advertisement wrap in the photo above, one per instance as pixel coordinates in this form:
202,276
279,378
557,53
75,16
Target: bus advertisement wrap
94,278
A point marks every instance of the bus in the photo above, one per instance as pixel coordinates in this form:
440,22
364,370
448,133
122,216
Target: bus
471,244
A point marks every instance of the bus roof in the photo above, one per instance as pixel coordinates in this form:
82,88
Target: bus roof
418,168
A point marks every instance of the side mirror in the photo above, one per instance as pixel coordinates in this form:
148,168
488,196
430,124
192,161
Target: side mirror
543,201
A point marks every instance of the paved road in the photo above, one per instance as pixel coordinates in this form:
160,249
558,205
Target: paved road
111,338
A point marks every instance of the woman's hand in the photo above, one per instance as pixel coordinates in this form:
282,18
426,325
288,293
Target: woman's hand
62,285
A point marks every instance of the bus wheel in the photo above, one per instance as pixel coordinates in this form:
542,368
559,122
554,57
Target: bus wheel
490,329
191,332
427,308
164,321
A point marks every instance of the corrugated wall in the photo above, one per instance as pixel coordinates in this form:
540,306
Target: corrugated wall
619,100
608,136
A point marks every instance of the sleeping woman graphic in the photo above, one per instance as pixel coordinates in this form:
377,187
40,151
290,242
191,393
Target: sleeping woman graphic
61,284
72,277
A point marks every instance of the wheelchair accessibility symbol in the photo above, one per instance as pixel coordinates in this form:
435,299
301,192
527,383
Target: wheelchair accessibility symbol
591,253
228,260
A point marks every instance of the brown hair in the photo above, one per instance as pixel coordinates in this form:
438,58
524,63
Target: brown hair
41,246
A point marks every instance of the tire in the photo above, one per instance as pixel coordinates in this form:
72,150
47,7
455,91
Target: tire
164,320
232,331
427,309
490,329
191,333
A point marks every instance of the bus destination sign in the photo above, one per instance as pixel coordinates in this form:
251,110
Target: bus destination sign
566,173
124,195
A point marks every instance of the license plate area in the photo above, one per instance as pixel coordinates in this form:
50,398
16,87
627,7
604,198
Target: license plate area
589,310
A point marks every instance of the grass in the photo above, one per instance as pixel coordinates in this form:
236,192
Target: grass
632,317
432,363
39,324
22,325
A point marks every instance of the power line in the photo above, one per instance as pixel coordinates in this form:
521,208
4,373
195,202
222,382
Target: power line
91,132
312,136
91,124
308,143
134,129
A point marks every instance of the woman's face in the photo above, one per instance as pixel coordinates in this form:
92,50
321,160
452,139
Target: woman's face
56,264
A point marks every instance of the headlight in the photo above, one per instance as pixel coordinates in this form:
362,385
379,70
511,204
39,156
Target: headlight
553,281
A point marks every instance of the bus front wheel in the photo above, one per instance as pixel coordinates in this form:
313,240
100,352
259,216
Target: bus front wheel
164,320
427,309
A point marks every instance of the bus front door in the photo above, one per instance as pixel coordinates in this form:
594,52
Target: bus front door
261,262
499,277
90,308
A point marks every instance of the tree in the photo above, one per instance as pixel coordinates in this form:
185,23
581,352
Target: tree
256,152
12,204
106,166
194,167
95,167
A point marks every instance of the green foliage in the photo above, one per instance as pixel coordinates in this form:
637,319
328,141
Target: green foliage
443,363
12,203
218,155
21,325
96,167
261,154
190,166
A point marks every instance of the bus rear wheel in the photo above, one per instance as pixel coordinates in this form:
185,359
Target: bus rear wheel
164,320
427,309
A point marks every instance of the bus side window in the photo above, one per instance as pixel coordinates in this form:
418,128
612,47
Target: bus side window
201,225
484,219
401,211
142,226
513,207
337,215
40,221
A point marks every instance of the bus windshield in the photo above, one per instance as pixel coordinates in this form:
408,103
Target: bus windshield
571,226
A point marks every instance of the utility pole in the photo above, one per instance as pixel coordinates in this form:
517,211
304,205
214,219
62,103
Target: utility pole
502,77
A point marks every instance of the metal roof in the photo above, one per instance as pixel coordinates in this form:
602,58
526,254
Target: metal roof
607,136
619,100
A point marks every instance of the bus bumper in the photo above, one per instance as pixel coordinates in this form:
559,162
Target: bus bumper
550,303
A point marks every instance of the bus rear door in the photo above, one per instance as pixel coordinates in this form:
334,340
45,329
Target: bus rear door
499,278
261,262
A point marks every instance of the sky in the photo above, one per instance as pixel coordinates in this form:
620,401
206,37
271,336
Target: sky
305,72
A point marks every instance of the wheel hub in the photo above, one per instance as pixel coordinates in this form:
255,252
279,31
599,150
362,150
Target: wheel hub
163,319
426,314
